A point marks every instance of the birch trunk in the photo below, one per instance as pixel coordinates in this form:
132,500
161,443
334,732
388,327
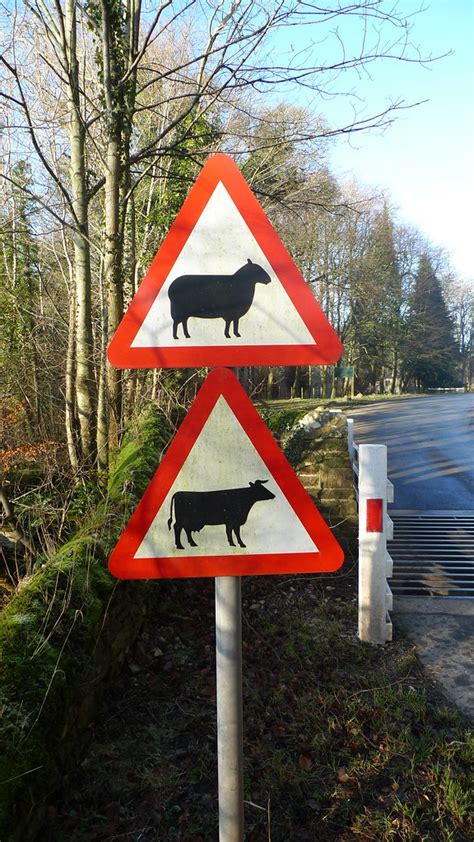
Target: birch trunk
69,385
113,280
85,384
119,100
102,415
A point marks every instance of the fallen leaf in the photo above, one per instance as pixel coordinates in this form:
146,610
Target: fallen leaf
305,762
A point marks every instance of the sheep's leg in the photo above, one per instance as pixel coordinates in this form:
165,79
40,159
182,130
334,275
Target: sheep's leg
236,327
185,328
228,530
227,328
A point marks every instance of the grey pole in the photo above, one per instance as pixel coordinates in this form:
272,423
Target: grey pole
229,708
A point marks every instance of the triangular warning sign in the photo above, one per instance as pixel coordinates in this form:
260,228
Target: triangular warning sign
222,289
224,501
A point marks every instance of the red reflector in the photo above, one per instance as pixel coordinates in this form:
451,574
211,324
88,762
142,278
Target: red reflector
375,515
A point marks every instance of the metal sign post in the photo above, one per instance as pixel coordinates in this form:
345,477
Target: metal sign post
229,708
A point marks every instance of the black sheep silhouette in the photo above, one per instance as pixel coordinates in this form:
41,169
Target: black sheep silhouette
227,297
231,506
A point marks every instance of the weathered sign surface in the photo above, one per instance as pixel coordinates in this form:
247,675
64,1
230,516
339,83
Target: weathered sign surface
222,289
224,501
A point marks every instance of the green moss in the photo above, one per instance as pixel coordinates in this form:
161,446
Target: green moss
280,421
134,464
49,632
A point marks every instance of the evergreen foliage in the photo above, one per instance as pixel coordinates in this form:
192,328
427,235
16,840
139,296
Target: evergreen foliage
431,355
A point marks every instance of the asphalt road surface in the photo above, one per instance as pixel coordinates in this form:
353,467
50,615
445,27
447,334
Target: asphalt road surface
430,444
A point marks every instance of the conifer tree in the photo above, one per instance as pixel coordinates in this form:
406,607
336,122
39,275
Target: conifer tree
376,305
431,353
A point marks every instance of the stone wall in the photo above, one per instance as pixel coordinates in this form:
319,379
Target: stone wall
316,446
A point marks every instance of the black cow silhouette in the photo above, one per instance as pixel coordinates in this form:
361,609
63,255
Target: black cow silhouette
227,297
195,509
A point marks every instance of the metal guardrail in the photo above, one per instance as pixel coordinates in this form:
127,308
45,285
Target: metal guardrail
373,491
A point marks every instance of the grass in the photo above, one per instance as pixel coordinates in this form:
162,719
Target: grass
343,741
306,404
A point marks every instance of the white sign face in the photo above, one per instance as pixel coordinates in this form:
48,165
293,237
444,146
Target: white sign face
221,246
223,459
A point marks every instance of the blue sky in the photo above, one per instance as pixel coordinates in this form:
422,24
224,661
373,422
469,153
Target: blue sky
424,160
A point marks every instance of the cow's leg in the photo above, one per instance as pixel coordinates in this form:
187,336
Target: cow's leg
237,535
227,328
236,327
185,328
175,329
189,536
228,530
177,536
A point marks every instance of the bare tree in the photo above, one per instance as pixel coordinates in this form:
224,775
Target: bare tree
108,100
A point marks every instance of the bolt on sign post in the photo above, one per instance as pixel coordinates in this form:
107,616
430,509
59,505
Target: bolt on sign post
224,502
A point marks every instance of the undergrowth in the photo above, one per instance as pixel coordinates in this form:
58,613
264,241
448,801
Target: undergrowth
50,628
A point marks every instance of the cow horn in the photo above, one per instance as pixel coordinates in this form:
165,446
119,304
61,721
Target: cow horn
261,481
248,260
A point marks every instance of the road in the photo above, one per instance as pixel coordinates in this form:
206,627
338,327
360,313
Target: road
431,464
430,444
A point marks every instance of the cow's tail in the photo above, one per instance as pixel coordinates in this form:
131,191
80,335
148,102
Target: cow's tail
170,519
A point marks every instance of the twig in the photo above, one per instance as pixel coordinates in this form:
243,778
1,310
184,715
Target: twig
374,689
15,777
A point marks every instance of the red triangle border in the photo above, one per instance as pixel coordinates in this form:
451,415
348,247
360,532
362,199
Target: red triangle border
327,348
122,563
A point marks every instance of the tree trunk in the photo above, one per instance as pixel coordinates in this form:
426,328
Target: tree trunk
102,414
296,385
286,380
113,281
130,275
70,401
85,384
243,376
334,382
102,425
269,389
393,384
120,103
17,532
